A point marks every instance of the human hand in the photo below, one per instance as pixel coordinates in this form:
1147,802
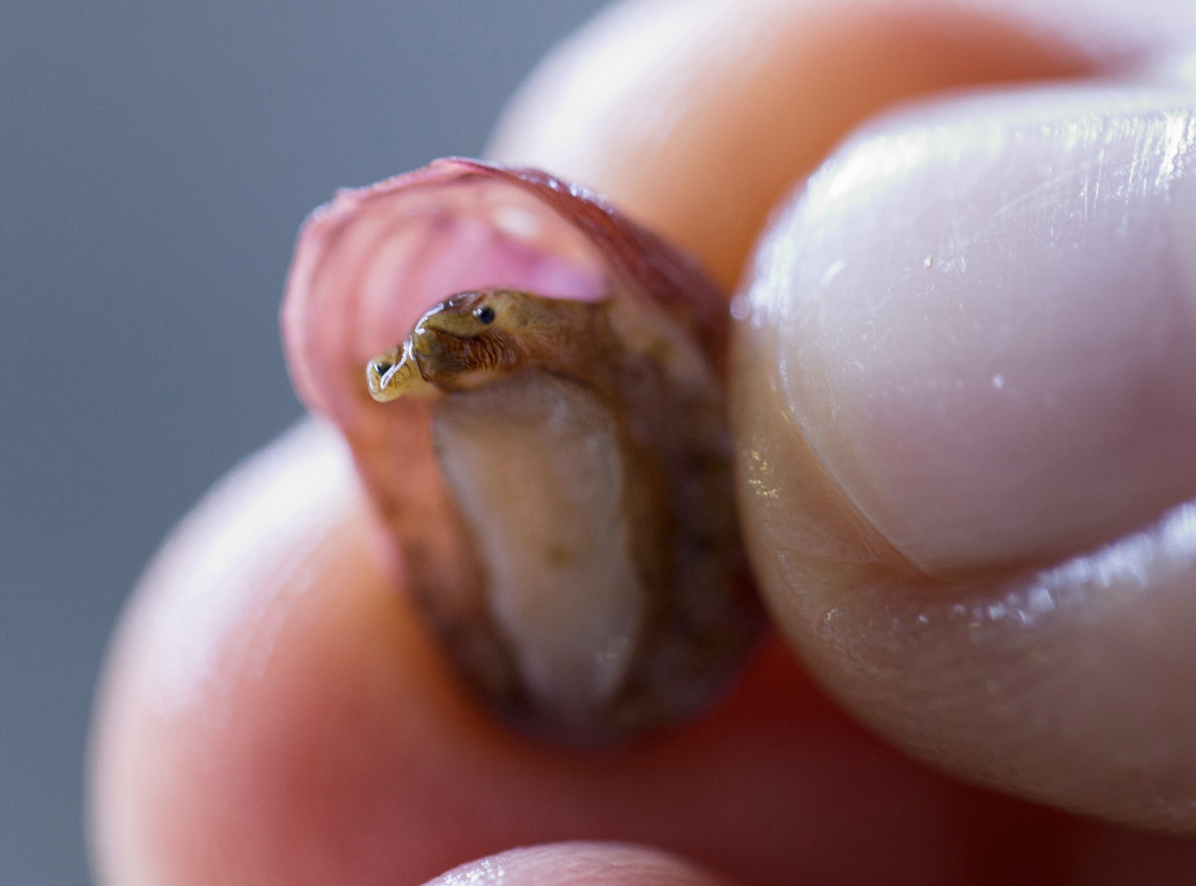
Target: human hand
273,712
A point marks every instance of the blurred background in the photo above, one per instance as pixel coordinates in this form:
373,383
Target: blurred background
155,163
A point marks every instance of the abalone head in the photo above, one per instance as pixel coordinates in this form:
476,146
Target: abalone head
466,340
466,315
474,314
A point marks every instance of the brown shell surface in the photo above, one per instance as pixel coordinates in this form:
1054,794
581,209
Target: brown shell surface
368,264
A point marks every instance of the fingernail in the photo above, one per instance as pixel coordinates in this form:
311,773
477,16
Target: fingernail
986,321
578,864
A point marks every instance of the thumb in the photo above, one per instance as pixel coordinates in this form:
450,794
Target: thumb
968,428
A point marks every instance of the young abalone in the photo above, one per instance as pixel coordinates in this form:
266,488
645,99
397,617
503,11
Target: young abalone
555,467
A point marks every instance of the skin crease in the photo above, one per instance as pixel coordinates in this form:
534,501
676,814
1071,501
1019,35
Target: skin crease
273,713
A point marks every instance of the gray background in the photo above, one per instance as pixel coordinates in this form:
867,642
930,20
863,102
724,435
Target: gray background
156,160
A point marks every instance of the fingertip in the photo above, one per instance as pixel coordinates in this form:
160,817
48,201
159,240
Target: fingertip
966,422
581,864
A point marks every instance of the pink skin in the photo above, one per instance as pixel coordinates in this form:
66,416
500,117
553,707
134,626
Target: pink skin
272,711
276,717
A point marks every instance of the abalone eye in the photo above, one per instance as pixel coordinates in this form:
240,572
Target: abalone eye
382,366
485,315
